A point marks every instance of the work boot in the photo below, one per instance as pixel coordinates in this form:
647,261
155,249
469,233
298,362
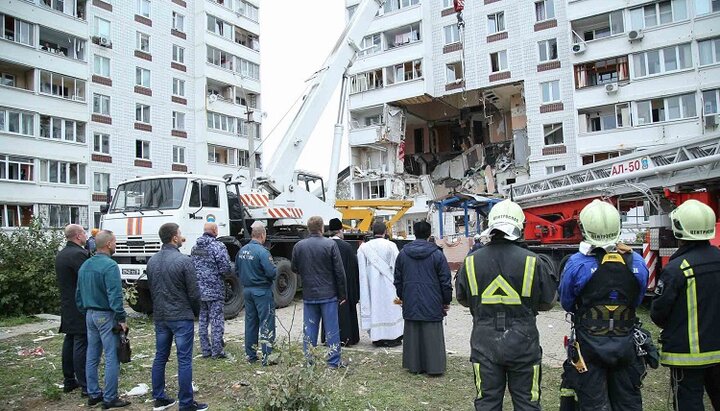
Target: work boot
116,403
95,401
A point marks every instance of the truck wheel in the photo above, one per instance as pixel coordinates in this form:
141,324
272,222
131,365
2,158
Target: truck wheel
285,285
143,303
234,299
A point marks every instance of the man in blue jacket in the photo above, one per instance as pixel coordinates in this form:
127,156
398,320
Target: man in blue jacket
422,282
257,272
602,285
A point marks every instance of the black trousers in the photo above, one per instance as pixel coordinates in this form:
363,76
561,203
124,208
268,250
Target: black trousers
689,384
522,380
73,359
606,388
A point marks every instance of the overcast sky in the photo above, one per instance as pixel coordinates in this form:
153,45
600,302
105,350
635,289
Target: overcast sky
295,38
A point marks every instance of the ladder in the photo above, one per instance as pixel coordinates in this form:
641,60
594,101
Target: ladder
694,161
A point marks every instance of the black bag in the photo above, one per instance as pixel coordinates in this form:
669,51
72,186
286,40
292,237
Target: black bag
123,351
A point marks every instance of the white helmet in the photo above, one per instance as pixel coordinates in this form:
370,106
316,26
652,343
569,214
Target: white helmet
600,224
508,217
693,221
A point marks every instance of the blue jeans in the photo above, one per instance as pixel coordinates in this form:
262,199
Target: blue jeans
184,333
101,338
313,312
259,318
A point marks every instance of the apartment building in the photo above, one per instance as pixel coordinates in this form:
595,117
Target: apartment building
525,89
94,92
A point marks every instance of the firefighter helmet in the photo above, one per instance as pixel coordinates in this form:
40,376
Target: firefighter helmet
507,217
600,224
693,221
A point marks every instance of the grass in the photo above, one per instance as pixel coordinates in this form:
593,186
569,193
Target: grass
18,320
374,381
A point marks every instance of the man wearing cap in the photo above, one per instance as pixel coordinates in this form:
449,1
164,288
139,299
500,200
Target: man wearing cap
505,285
686,307
477,244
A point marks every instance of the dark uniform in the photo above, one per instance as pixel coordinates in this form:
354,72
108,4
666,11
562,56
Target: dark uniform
211,261
602,290
257,272
505,285
687,307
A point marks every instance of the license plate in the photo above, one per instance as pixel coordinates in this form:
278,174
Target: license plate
131,271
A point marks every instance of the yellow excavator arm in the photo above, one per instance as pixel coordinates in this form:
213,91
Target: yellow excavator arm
364,211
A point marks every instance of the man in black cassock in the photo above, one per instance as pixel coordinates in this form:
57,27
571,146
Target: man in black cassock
347,313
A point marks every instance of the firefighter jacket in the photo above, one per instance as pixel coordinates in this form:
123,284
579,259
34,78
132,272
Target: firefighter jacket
505,285
687,307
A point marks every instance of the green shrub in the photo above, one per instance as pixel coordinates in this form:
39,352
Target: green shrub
27,270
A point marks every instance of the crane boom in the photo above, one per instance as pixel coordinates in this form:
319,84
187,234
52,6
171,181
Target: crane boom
322,85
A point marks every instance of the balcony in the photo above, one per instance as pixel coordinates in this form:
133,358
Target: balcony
247,39
230,98
61,44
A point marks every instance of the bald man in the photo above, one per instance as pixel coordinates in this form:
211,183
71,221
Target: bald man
72,321
211,261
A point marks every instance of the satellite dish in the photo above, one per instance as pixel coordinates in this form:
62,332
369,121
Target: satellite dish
212,98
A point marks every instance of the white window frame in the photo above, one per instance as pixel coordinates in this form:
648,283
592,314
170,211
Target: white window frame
143,8
502,62
451,34
683,107
76,90
547,8
400,74
178,87
552,130
707,104
101,66
220,27
496,23
64,171
142,77
8,209
178,155
550,170
452,68
178,54
62,129
711,45
101,182
101,23
553,87
144,148
370,45
221,122
21,164
178,21
232,155
73,215
546,47
103,102
178,120
101,143
142,113
141,37
641,59
639,16
706,7
23,32
25,121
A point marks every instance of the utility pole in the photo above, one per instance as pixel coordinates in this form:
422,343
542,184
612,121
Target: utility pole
251,144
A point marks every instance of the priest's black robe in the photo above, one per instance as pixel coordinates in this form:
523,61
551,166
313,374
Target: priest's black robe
347,312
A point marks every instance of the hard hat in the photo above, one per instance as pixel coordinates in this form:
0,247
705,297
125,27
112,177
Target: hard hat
693,221
600,224
508,217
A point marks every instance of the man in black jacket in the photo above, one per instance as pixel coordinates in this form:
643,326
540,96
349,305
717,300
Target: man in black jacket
423,285
686,307
72,321
176,303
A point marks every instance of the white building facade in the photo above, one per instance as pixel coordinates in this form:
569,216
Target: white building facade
95,92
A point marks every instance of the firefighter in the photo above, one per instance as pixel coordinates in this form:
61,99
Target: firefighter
505,285
686,307
601,286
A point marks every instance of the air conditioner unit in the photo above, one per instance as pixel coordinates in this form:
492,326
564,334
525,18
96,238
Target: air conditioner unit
635,35
579,48
105,42
712,120
612,88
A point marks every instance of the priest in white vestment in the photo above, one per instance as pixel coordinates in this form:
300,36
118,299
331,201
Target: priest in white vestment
379,314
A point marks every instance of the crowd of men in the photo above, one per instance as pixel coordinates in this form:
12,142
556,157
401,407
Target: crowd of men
403,296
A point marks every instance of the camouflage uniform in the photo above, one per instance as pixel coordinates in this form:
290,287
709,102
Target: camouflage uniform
211,261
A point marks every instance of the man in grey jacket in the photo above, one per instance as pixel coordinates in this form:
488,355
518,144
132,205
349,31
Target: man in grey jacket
176,303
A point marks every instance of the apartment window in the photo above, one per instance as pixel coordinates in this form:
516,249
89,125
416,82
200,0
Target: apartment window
62,129
16,168
601,72
7,80
544,10
553,134
709,51
366,81
142,150
393,5
178,21
142,42
452,34
62,215
655,14
246,9
249,69
496,22
407,71
17,30
666,109
369,45
550,91
222,155
12,215
710,101
178,87
498,61
178,120
554,169
142,113
663,60
178,54
220,58
101,182
606,118
217,121
178,155
62,172
17,122
447,4
62,86
143,8
101,143
220,27
598,27
102,27
594,158
548,50
142,77
101,66
706,6
101,104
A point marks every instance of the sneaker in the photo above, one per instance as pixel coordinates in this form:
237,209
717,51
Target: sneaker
196,406
94,401
163,404
116,403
